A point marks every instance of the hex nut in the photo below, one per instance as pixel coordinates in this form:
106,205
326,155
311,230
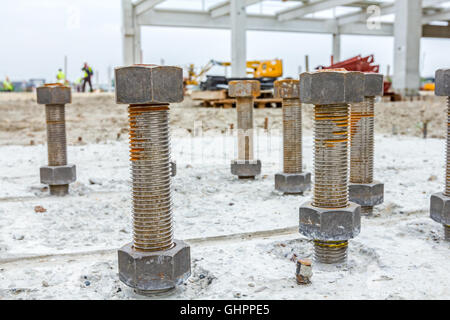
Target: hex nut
367,195
332,87
442,83
148,84
440,208
293,182
287,89
244,88
246,168
330,224
154,271
373,84
58,175
53,93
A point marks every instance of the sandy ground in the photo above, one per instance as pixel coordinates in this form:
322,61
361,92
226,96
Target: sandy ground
242,233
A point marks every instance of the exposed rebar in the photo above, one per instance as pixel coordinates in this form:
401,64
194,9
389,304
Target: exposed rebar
56,142
244,108
292,136
150,158
330,156
330,252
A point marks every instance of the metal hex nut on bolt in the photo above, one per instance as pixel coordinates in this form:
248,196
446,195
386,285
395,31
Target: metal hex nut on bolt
287,89
332,87
152,271
440,208
58,175
244,88
246,168
330,224
53,94
373,84
443,83
367,195
293,182
148,84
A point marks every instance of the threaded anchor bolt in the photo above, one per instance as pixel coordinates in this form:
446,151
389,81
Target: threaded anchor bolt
441,201
292,180
363,190
57,174
245,167
154,262
330,219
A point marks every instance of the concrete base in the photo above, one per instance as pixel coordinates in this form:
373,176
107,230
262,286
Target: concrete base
246,169
293,183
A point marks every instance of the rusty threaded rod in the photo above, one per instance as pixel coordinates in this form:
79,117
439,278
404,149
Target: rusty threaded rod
56,142
362,144
150,158
330,156
244,107
331,172
292,135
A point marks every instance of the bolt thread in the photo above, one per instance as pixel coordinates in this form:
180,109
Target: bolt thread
150,166
366,211
56,135
244,108
331,156
330,252
447,173
447,233
59,190
292,136
362,141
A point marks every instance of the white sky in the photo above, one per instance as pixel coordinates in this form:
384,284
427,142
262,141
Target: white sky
37,34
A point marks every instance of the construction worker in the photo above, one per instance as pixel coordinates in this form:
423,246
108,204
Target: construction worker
87,76
7,85
61,77
77,83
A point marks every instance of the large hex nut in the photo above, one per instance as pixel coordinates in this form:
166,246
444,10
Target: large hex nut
440,208
244,88
293,182
332,87
443,83
53,93
367,195
154,271
287,89
373,84
246,168
330,224
58,175
148,84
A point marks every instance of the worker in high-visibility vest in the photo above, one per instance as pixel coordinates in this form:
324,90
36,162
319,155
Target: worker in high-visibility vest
61,77
77,83
87,76
7,85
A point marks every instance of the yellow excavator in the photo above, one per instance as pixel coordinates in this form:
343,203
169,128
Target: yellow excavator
266,71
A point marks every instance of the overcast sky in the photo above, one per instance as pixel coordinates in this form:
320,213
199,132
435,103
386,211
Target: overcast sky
37,34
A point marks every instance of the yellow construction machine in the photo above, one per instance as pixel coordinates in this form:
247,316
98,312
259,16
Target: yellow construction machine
267,71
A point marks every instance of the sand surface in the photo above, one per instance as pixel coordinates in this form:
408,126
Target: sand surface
243,234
